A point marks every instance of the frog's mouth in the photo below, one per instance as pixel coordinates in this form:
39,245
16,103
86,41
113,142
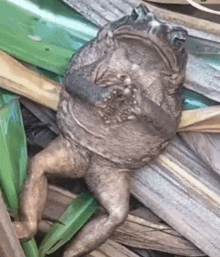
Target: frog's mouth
143,26
175,57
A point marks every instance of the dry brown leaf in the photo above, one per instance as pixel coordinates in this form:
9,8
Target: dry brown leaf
206,146
185,193
183,1
9,244
17,78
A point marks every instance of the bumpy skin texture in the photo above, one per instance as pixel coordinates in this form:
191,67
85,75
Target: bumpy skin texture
119,109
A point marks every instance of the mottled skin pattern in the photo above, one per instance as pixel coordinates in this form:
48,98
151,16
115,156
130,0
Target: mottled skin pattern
119,109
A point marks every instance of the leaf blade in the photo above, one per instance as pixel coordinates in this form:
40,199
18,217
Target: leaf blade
74,217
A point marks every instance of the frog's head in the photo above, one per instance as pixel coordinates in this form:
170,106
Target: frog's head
146,41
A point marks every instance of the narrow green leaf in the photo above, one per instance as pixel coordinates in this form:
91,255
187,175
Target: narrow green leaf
7,174
74,217
193,100
30,248
13,158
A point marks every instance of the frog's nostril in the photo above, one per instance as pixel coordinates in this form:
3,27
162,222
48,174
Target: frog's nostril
134,15
139,12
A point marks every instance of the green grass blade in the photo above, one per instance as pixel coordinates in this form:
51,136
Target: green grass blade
30,248
13,158
7,173
74,217
13,147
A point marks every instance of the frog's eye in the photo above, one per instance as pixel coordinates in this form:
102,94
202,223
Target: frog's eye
178,37
134,15
139,12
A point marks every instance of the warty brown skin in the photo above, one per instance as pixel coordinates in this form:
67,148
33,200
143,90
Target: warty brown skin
118,110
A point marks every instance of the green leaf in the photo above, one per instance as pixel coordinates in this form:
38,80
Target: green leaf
13,158
30,248
74,217
42,54
192,100
42,33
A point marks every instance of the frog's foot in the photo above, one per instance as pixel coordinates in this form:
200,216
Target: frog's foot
24,230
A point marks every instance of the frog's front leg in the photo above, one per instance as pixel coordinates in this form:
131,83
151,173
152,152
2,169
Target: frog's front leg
79,82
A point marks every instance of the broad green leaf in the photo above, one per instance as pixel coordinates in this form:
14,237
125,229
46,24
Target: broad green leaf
43,33
42,54
74,217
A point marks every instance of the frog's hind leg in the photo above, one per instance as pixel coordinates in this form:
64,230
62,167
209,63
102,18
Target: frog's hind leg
59,158
111,186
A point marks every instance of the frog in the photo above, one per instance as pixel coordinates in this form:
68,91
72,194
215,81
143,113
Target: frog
119,107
